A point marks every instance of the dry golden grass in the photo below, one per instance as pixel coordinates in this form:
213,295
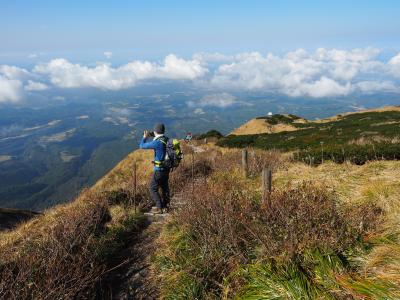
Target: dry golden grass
257,126
122,174
371,140
52,255
59,253
370,192
49,239
377,183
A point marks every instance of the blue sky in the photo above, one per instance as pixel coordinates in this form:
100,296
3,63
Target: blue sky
151,29
316,49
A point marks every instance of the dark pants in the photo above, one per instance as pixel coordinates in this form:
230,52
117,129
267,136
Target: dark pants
160,180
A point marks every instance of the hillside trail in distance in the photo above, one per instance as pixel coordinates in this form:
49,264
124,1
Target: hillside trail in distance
135,277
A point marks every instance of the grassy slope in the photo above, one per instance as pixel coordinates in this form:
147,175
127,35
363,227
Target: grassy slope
63,252
375,272
357,137
368,125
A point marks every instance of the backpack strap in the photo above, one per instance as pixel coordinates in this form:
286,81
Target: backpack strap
163,139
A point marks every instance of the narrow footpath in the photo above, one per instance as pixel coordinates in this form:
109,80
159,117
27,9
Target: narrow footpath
134,277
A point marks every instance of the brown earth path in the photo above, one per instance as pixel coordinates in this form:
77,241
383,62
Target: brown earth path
135,278
134,275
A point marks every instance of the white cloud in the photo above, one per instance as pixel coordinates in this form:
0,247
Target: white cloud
213,57
177,68
35,86
324,73
221,100
108,54
354,55
199,111
394,64
376,86
323,87
10,90
13,72
59,98
64,74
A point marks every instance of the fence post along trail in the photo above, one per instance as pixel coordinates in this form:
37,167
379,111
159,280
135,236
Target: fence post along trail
134,184
266,177
133,188
193,176
245,165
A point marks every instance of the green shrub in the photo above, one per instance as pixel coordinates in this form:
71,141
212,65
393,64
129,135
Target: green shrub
356,138
313,277
226,227
357,154
209,134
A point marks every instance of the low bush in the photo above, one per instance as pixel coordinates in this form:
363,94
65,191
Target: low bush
357,154
53,257
193,166
227,226
257,161
209,134
64,253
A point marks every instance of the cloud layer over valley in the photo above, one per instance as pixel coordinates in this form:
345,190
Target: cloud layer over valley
318,74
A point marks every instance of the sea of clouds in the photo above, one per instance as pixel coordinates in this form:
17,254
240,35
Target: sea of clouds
318,74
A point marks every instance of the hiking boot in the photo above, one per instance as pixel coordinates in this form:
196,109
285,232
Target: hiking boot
167,209
156,211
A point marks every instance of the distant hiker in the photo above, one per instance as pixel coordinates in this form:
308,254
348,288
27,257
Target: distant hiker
167,156
188,137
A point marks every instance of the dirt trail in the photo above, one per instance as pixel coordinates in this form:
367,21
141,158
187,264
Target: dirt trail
134,277
196,149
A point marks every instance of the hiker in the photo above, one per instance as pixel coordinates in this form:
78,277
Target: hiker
161,173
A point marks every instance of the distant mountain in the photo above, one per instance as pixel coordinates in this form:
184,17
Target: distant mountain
287,122
357,136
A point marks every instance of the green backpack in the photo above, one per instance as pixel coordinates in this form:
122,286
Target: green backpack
173,153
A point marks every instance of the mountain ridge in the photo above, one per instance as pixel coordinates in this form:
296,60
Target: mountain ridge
258,125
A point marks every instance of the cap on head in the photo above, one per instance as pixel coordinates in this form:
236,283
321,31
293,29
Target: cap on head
159,128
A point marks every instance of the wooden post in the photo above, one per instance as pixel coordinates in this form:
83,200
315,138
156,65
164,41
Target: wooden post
322,150
266,183
205,141
134,186
192,176
205,172
245,162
